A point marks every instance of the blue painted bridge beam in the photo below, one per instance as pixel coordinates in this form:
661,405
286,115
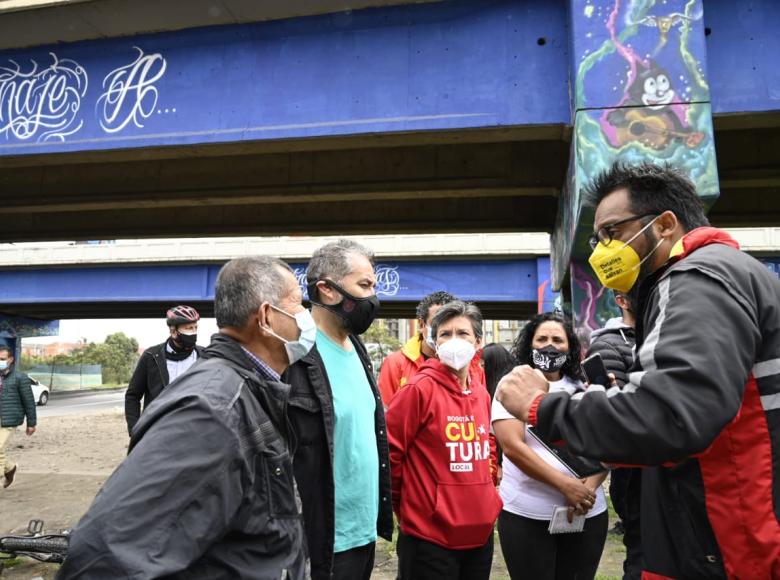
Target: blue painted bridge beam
462,64
503,288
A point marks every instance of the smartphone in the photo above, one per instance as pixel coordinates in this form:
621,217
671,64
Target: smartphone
595,372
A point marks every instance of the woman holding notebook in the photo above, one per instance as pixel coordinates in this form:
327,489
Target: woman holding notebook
537,486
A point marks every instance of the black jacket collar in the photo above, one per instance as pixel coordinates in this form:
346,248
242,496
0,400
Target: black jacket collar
272,395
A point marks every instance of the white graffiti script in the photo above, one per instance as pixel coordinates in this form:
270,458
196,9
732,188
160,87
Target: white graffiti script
388,281
300,275
129,92
41,103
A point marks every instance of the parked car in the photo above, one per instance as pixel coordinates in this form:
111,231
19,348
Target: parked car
40,392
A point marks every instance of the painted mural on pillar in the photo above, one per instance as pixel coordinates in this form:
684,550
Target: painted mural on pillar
21,327
641,94
641,91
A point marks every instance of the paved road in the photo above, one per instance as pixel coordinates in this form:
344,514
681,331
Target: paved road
85,403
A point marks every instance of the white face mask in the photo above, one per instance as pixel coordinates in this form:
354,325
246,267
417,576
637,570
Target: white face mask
456,353
297,349
3,365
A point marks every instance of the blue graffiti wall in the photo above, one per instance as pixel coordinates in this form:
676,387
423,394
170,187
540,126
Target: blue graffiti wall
742,48
477,280
410,68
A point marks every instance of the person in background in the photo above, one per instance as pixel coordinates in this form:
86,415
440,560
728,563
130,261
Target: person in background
440,453
535,482
615,343
17,405
341,463
401,366
161,364
497,362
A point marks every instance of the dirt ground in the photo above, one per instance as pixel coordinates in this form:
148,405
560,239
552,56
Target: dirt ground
63,465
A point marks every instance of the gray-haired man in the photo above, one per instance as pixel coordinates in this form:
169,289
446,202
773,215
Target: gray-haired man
341,463
207,490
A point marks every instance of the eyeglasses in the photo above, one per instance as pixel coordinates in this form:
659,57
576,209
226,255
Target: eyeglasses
605,234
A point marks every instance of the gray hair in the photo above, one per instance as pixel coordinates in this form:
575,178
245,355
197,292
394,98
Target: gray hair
453,310
244,284
333,260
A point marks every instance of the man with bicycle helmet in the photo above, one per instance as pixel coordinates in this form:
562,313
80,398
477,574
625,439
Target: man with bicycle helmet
159,365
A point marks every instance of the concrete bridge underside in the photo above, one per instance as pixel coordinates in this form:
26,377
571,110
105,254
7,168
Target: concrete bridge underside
480,180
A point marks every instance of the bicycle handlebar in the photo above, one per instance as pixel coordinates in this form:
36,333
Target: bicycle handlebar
49,548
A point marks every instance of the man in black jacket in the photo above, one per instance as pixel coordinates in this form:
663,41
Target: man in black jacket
163,363
207,490
615,344
702,405
341,463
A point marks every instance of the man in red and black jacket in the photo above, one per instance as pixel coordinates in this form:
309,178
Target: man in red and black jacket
702,405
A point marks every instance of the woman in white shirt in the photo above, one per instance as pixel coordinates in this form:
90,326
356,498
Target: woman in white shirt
535,481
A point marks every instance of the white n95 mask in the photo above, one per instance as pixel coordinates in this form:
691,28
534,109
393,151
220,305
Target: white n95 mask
456,353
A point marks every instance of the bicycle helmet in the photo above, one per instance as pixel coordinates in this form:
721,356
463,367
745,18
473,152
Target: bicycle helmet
181,315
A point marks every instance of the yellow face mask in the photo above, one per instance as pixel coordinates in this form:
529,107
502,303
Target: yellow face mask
617,264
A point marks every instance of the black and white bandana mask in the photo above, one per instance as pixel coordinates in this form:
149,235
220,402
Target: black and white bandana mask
548,359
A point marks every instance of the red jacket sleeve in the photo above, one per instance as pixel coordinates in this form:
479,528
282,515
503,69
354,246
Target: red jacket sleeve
478,374
389,377
404,417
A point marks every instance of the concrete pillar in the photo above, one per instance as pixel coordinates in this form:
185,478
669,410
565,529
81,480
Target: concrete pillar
639,93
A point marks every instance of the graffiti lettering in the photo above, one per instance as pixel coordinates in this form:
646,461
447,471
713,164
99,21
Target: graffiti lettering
41,103
300,275
388,281
129,92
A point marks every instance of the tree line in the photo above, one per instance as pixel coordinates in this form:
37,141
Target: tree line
117,356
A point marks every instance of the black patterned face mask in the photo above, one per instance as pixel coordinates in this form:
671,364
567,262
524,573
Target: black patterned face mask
548,359
357,313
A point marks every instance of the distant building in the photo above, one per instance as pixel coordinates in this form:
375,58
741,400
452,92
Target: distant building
50,350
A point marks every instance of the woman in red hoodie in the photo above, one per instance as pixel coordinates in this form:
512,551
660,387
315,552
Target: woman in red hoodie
438,429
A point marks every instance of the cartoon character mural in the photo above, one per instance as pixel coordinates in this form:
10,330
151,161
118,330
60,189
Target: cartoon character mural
640,95
650,112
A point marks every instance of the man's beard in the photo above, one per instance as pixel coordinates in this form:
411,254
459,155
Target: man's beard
644,269
644,272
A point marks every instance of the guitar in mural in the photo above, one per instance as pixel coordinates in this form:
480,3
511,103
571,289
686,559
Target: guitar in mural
654,131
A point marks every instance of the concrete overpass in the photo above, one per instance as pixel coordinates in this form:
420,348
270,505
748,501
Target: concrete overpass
434,117
507,275
132,119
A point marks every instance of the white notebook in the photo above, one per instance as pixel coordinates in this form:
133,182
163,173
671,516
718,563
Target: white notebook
559,524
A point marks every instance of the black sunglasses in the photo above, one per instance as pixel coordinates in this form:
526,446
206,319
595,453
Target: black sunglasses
604,235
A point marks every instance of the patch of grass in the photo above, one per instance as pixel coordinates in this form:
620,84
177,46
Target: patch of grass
613,517
9,563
